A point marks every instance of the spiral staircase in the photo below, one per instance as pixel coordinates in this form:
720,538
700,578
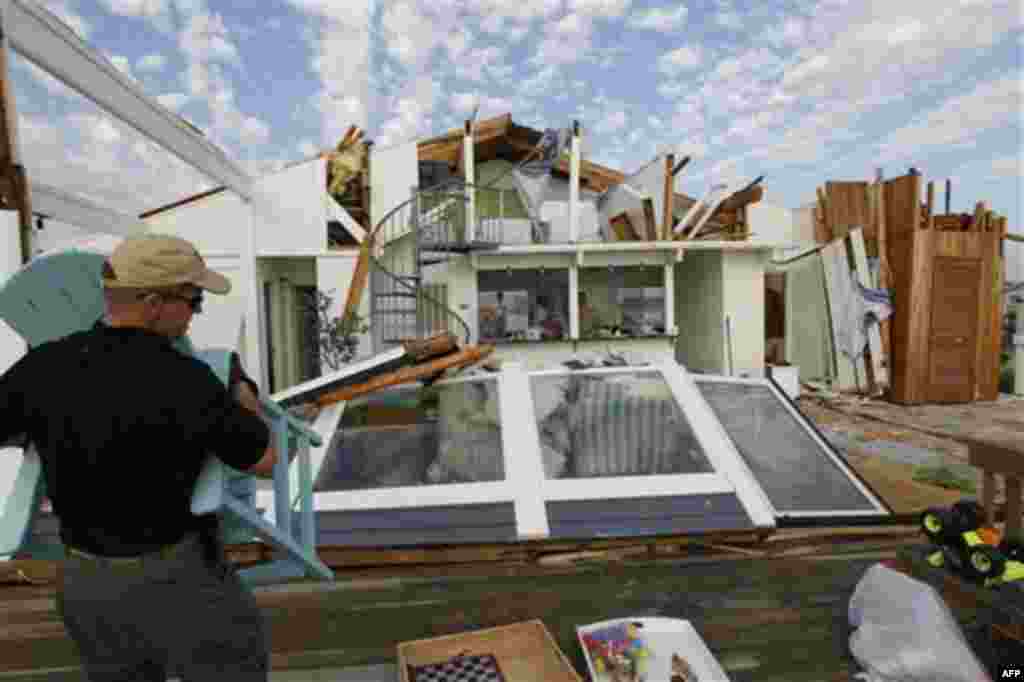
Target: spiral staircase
416,239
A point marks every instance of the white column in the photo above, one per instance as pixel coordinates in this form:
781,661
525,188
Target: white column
574,184
670,298
255,335
574,303
470,174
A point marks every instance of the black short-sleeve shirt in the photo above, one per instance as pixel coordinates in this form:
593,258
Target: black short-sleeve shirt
123,423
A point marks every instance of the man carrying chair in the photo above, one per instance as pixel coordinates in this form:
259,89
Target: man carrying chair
123,422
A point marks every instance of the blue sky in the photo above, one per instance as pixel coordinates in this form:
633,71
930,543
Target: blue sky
796,90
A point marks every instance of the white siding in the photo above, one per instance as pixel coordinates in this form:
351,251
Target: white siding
769,222
394,171
214,224
289,213
220,323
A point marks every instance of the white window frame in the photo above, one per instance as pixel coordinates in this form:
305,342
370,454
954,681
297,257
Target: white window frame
525,485
730,474
880,509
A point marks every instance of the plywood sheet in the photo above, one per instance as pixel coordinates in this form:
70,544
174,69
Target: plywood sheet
912,313
847,207
952,347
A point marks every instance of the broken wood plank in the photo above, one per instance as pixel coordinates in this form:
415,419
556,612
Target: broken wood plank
884,272
439,344
977,221
625,228
667,201
846,205
929,222
650,222
826,234
406,374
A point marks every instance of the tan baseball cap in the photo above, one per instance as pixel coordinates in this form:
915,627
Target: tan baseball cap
153,261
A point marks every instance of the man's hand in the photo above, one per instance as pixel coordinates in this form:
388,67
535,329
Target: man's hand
247,398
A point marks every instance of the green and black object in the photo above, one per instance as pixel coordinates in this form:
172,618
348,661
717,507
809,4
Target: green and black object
974,551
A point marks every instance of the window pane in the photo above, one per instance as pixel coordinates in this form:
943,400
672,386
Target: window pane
621,301
445,434
523,305
797,473
625,424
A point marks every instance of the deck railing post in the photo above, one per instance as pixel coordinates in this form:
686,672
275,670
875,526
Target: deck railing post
282,499
308,519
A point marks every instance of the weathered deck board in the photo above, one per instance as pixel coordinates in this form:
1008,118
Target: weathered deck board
784,618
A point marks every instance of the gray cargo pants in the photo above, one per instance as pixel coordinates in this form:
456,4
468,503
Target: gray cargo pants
182,614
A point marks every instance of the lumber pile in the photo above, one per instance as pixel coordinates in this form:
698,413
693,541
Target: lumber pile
945,276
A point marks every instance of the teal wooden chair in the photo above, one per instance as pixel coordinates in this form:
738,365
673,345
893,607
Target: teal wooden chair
59,294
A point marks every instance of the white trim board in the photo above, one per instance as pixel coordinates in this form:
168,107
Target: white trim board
75,210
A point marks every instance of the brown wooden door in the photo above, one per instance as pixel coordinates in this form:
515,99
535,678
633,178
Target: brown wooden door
954,328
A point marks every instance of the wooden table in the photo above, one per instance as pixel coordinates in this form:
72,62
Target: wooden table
999,450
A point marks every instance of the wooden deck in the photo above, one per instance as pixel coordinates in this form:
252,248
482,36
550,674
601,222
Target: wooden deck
766,619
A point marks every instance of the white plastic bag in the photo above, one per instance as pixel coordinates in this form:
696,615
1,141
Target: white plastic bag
906,633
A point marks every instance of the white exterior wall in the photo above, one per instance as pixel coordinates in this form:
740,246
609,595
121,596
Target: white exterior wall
770,222
214,224
743,305
462,294
220,323
289,213
394,171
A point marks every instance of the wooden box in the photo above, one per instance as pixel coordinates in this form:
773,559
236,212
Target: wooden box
526,652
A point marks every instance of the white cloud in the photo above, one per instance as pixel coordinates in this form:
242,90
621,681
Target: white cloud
307,149
1007,166
566,41
411,112
173,100
680,59
520,10
206,38
342,64
254,131
151,62
960,119
661,19
478,60
136,8
807,69
600,8
730,20
612,122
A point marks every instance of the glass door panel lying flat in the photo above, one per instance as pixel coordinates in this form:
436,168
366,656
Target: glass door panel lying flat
613,425
453,436
797,469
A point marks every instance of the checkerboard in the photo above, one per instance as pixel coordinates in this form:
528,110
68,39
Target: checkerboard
479,668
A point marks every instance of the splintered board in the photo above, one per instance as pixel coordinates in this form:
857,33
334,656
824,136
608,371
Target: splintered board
847,207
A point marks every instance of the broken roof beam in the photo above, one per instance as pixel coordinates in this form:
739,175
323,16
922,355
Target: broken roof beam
44,40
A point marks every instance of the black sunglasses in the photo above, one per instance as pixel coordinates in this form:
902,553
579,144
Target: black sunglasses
194,302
